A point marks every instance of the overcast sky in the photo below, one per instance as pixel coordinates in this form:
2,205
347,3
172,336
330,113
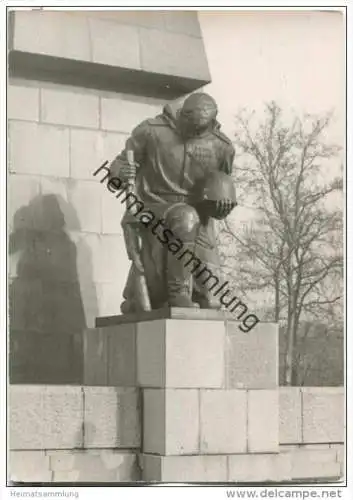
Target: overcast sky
295,58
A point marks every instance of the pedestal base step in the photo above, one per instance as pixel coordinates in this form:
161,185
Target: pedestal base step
245,468
165,313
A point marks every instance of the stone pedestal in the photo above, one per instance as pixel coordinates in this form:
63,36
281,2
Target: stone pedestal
209,391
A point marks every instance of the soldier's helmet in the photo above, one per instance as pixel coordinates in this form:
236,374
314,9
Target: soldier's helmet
218,186
215,187
198,112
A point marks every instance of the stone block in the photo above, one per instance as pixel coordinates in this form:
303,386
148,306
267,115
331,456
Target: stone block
24,297
112,214
323,415
38,149
86,153
252,357
44,417
318,446
84,265
187,469
340,451
181,21
69,108
22,189
110,269
171,421
55,201
95,355
41,32
155,416
158,54
62,460
180,353
44,306
263,421
93,271
341,459
314,464
124,113
288,447
13,260
63,417
151,353
42,358
128,469
115,44
22,102
26,409
93,466
125,464
110,295
29,466
84,274
116,48
90,304
88,255
67,476
90,149
223,417
62,304
290,415
57,187
122,355
147,18
85,198
254,468
111,418
47,255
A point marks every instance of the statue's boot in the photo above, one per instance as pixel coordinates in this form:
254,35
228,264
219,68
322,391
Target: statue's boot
209,303
184,221
179,280
128,306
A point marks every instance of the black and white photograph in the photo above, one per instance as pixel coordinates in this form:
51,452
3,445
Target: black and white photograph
175,186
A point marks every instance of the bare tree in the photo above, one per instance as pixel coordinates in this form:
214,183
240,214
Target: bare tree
292,245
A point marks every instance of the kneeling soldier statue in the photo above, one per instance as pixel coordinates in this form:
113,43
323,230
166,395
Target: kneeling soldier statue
180,165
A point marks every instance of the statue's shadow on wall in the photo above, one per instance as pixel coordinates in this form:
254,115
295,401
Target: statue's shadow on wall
46,309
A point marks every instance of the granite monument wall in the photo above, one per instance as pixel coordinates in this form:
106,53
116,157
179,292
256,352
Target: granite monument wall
72,101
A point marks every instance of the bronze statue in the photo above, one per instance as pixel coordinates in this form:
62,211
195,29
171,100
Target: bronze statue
179,165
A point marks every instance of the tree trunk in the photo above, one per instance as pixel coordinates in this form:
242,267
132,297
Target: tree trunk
290,347
277,306
288,367
295,371
295,356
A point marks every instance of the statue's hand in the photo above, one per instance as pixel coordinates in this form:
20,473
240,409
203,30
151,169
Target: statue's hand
224,208
123,169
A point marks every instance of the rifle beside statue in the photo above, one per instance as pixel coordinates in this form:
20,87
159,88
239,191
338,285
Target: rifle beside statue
133,247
